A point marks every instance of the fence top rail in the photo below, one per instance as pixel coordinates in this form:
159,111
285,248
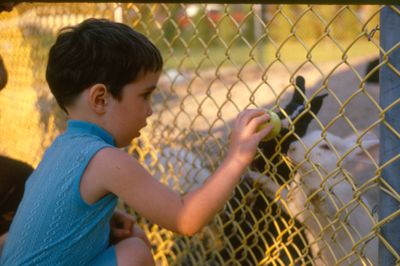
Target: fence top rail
321,2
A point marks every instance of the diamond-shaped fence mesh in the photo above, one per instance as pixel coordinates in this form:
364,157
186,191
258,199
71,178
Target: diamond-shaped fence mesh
219,60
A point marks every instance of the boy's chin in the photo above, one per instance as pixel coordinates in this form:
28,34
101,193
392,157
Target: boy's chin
127,142
136,135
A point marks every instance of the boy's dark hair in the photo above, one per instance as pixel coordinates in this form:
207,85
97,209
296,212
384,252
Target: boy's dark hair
98,51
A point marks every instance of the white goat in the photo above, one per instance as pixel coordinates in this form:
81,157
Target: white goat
321,195
179,168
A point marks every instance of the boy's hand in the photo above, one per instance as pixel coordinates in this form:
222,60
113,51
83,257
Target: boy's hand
121,226
124,226
245,137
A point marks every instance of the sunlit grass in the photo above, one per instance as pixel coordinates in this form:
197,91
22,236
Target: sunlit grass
289,52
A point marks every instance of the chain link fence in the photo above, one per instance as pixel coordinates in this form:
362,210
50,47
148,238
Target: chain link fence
220,59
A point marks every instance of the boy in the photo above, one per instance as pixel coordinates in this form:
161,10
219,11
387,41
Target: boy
102,74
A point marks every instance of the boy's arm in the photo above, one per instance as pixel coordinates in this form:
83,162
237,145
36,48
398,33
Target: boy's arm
119,173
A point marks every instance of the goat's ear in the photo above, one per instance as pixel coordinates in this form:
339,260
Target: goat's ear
305,120
372,146
296,103
369,148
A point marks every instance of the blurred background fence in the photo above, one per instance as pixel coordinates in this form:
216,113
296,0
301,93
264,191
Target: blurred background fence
219,59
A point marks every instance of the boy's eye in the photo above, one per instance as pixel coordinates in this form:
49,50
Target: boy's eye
147,95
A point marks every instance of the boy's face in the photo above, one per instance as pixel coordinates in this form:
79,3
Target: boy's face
128,116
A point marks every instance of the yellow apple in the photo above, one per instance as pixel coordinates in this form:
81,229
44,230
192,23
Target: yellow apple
275,121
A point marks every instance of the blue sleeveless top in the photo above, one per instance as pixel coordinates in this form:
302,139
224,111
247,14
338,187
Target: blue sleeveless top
53,225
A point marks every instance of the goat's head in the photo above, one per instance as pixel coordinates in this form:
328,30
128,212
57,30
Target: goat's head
294,112
327,151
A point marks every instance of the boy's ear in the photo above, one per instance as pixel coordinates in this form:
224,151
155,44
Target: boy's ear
98,98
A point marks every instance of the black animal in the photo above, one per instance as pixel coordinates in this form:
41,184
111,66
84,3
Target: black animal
300,117
257,231
13,175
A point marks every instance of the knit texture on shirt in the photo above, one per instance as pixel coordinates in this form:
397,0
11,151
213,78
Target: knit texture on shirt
53,225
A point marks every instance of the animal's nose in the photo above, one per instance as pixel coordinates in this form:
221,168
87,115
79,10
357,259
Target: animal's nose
292,148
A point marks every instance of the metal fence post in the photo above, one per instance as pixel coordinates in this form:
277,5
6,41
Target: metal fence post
390,143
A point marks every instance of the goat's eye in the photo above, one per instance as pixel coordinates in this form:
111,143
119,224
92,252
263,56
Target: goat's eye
325,146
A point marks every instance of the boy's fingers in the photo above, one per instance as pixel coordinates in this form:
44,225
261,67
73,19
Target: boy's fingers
124,220
258,121
263,132
120,233
128,223
138,232
247,115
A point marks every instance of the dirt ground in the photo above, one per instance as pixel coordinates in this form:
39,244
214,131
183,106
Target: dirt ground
214,98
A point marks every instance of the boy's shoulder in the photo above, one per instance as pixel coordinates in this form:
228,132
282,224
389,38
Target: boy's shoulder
111,160
108,167
114,155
